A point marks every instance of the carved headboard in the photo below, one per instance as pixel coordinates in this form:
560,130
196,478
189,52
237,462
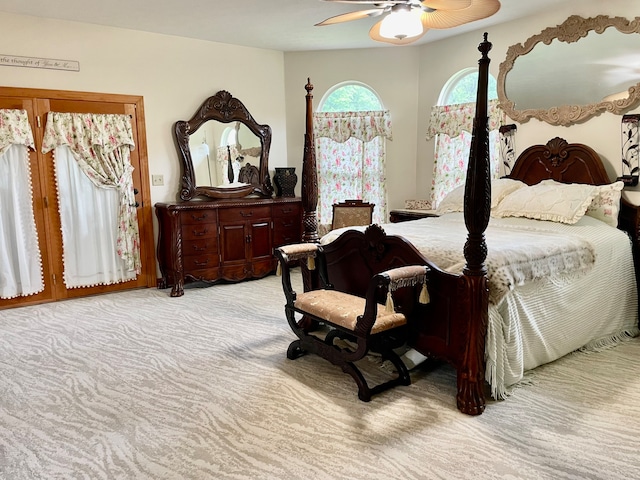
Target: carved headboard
560,161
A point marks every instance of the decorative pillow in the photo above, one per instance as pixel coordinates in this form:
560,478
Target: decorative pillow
418,204
605,205
500,188
557,202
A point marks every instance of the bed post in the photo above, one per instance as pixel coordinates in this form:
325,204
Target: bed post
309,176
477,209
309,188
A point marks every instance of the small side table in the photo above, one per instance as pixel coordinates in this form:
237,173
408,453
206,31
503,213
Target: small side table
405,214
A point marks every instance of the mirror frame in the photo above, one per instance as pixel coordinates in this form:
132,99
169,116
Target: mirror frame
571,30
225,108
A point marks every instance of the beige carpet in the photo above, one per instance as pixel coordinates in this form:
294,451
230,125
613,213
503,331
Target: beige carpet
139,385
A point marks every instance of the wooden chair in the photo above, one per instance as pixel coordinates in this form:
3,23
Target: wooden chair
363,324
352,213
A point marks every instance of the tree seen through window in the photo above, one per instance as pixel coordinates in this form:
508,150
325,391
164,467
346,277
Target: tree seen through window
351,98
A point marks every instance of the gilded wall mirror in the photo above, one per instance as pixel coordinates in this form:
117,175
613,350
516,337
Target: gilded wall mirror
224,151
572,72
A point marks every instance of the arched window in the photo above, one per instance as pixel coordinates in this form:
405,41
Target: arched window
350,129
350,97
463,88
452,123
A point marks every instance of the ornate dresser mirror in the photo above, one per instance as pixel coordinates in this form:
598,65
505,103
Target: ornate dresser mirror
224,151
571,72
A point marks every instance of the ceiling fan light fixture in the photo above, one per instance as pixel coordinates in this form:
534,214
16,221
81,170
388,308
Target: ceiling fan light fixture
400,24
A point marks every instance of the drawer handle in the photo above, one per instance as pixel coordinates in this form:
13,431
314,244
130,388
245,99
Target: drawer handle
199,234
286,210
199,249
290,224
201,264
246,214
201,217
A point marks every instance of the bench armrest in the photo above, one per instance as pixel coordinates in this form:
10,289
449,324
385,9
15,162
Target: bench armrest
288,254
392,279
298,251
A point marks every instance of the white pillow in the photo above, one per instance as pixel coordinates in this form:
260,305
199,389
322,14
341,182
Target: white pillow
500,188
557,202
605,205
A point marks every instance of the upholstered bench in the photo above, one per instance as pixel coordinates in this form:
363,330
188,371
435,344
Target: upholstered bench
363,324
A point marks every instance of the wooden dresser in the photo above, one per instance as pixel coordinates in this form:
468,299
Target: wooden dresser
230,239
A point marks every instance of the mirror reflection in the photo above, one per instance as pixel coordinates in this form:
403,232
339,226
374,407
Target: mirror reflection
223,150
573,71
219,151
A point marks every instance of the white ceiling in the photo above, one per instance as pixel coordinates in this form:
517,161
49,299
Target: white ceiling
286,25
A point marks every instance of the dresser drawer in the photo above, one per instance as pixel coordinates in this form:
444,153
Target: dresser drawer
243,213
286,231
287,210
191,263
197,217
199,231
200,245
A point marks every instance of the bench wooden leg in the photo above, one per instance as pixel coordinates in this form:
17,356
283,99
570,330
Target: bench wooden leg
295,350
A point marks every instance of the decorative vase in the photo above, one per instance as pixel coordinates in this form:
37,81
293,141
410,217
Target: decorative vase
285,180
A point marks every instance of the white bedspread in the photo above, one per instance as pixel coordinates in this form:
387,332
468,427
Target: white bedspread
518,250
553,288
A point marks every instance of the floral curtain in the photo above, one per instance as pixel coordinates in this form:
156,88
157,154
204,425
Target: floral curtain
350,159
20,258
453,124
100,144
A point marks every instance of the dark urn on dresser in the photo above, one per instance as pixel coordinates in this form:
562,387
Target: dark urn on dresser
285,180
231,239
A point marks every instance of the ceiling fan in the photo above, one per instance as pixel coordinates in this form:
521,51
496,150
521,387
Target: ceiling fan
405,21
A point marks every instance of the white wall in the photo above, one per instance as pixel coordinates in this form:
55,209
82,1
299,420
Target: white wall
409,80
391,72
174,75
442,59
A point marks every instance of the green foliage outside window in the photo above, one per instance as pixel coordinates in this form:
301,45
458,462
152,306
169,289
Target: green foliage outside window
351,98
466,88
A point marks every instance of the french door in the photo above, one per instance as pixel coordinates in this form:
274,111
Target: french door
46,207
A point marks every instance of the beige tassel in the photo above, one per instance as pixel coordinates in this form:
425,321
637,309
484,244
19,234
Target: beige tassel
389,307
424,294
279,269
311,263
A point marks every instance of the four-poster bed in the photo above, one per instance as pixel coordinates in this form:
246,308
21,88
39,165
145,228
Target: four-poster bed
454,325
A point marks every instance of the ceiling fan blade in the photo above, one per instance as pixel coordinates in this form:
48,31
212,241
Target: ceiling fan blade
446,4
478,10
381,3
347,17
374,33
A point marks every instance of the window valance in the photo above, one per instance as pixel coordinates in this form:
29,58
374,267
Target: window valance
82,131
451,120
341,126
14,129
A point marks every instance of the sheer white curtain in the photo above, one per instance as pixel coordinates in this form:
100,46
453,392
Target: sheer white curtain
88,217
98,215
351,160
20,260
